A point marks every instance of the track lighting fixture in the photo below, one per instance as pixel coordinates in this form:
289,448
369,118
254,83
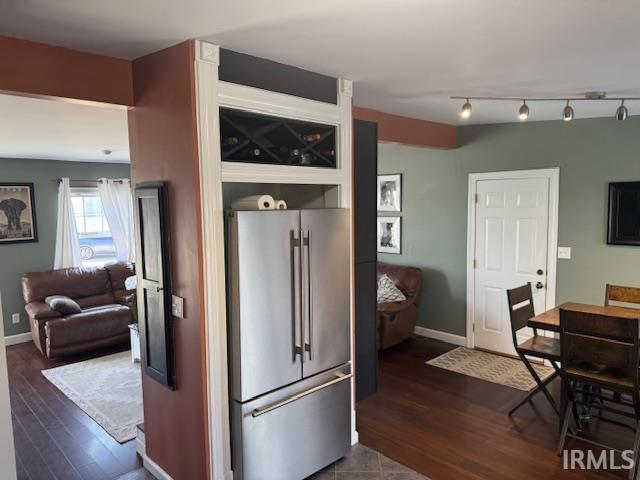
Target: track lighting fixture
567,113
622,112
466,110
523,113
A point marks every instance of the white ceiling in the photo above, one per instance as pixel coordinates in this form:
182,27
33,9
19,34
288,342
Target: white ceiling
406,56
47,129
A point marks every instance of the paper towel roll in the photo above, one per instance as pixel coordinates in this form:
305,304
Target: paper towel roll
281,205
254,202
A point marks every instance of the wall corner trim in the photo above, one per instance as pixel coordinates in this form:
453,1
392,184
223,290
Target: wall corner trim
208,52
345,86
442,336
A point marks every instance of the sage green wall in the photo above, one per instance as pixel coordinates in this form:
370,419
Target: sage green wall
18,258
590,153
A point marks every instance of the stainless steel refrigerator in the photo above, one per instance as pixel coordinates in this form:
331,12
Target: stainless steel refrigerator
289,343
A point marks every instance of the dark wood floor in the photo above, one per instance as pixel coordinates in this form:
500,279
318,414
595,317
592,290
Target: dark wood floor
54,438
450,426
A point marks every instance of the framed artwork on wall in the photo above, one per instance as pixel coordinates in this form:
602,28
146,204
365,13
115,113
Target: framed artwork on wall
389,234
390,193
624,214
17,213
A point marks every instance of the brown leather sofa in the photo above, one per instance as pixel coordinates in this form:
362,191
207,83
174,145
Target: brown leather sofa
397,320
101,294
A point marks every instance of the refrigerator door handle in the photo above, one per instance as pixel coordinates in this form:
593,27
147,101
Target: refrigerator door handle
296,275
309,306
340,377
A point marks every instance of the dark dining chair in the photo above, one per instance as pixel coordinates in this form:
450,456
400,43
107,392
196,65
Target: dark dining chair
600,365
621,294
521,309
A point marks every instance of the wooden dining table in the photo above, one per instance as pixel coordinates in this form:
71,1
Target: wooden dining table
550,320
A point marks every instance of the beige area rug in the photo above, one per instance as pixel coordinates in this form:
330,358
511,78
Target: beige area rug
108,389
490,367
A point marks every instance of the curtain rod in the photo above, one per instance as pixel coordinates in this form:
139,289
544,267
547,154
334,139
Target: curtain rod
94,180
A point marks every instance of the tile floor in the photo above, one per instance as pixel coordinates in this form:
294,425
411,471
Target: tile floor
362,463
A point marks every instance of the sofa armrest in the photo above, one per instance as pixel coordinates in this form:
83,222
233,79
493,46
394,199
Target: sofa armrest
395,307
40,311
126,300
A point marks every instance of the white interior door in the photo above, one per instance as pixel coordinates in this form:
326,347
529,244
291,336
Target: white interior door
511,243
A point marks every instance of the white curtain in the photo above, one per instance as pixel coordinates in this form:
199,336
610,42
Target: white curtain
117,205
67,245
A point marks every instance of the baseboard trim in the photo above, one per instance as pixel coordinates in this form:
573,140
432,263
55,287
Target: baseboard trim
17,339
141,443
442,336
155,469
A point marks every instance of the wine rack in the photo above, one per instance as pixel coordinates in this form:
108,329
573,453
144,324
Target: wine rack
253,138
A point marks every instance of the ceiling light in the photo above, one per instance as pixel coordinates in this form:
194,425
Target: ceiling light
622,112
106,151
567,113
466,110
523,113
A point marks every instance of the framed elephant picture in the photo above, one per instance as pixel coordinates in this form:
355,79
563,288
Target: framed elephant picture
17,213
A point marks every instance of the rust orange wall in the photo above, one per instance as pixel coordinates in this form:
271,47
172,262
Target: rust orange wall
409,131
31,68
163,144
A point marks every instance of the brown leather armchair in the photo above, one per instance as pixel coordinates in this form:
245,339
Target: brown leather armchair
100,292
397,320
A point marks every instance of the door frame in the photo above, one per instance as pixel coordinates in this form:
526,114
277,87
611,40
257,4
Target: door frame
553,176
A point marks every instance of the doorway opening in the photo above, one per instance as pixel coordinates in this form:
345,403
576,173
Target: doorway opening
68,304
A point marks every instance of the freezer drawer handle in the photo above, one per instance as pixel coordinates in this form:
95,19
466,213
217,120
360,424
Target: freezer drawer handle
340,377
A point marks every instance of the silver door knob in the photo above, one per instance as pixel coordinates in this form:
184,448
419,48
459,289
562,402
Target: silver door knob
539,285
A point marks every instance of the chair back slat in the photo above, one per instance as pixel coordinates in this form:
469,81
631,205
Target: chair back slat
520,301
619,293
604,348
602,326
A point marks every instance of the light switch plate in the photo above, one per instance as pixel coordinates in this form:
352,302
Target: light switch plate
564,253
177,306
15,318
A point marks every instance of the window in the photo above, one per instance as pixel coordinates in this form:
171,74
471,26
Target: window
96,244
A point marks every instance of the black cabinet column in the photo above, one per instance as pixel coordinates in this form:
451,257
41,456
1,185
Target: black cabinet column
365,171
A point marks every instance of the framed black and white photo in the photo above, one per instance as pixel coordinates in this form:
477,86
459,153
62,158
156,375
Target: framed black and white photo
390,193
17,213
389,234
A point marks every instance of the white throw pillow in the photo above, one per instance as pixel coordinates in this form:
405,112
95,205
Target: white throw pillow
388,292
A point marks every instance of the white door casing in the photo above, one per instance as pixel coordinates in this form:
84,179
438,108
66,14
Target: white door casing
512,240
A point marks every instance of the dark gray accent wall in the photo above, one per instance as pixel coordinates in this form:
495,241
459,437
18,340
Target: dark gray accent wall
259,72
18,258
590,153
